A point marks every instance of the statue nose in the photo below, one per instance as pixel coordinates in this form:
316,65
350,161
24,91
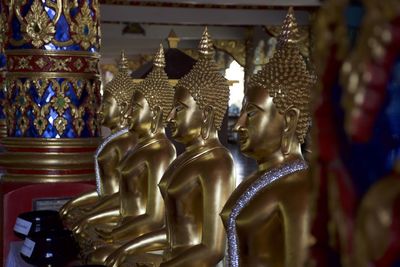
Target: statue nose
171,115
240,123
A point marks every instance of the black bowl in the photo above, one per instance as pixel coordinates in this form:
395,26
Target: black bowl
31,222
51,248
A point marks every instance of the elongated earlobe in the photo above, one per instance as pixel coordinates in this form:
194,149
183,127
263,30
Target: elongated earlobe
289,133
208,122
123,118
156,121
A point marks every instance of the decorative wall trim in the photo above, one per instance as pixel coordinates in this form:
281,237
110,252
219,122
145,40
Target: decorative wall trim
197,5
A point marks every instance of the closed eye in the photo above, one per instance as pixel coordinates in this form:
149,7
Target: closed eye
179,107
136,106
251,113
252,110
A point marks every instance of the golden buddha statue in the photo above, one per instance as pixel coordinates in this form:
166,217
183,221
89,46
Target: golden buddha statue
376,241
141,208
267,216
197,184
108,156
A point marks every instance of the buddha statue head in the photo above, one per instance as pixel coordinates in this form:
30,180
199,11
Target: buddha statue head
116,98
201,98
276,117
152,99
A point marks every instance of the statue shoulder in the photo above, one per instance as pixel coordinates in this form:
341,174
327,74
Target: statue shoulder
222,156
108,152
118,147
163,151
216,162
161,146
126,139
159,150
222,153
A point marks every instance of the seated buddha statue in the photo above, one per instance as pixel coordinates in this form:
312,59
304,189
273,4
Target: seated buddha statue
267,216
197,184
141,208
109,154
377,228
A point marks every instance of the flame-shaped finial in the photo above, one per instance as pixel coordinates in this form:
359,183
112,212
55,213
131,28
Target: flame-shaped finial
206,46
123,64
159,58
173,39
289,32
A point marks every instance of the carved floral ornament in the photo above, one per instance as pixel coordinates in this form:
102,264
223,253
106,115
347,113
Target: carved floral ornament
39,26
86,33
3,29
26,103
52,63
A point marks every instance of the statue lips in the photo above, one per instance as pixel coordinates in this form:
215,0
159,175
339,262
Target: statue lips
243,136
173,127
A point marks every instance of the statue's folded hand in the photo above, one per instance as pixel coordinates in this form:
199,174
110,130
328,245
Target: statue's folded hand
105,234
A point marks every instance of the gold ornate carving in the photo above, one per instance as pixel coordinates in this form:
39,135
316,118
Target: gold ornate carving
85,29
60,102
92,66
40,63
93,125
287,78
40,124
60,64
23,124
3,29
205,82
23,63
40,86
38,27
78,124
61,124
50,65
78,64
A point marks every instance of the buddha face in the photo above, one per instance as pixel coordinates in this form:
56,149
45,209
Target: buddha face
110,112
260,125
140,117
185,119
